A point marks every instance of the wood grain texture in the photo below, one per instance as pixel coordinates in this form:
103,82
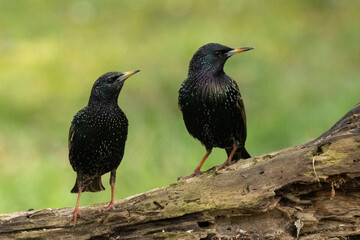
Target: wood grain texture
314,186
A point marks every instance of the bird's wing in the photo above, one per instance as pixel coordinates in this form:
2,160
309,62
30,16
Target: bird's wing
181,96
71,136
241,107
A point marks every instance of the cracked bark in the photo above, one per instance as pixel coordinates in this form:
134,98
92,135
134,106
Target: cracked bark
311,190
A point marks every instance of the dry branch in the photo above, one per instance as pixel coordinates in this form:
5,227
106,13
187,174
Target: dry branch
311,190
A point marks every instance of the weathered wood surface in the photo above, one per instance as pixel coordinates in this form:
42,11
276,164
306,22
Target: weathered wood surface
314,186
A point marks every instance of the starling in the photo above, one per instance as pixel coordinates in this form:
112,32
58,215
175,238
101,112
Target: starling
97,137
212,106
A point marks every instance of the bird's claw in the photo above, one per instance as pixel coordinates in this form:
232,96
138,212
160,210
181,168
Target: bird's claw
194,174
225,164
76,214
109,207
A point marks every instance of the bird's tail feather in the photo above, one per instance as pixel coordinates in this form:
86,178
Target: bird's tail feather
240,153
92,185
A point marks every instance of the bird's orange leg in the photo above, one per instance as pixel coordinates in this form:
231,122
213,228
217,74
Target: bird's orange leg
112,184
197,169
111,203
76,212
228,160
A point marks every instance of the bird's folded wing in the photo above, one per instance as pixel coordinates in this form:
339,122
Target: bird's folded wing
71,136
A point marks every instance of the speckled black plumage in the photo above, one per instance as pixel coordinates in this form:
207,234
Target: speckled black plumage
97,135
211,103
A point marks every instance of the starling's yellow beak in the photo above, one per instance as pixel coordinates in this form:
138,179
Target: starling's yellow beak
126,75
238,50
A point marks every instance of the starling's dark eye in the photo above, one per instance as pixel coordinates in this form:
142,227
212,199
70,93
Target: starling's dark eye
217,53
109,80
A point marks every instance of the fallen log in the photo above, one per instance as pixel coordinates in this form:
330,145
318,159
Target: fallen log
309,191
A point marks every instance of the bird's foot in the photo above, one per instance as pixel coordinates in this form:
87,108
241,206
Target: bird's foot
194,174
225,164
76,214
109,207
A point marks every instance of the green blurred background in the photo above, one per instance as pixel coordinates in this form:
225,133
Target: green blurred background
301,78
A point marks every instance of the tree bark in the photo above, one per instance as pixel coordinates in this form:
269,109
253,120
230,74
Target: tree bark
310,191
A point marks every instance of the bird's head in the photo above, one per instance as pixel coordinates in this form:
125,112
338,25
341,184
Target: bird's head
212,57
108,86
